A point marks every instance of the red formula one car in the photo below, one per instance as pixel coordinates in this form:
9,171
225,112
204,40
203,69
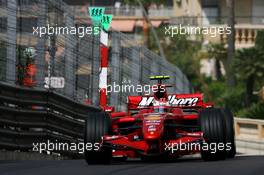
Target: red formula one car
161,127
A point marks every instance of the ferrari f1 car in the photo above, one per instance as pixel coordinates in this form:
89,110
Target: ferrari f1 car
161,126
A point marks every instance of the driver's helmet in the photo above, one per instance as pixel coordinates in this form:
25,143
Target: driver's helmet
160,94
160,106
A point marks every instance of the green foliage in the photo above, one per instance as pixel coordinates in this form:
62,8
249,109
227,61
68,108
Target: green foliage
217,51
182,52
222,95
214,90
260,39
249,67
249,62
255,111
186,54
259,44
232,98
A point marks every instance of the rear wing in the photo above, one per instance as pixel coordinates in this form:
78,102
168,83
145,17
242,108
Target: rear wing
175,100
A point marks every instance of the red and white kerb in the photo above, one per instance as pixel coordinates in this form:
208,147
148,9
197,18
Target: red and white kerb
104,65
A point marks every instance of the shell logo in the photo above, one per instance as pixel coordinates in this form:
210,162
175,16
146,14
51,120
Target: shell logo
153,117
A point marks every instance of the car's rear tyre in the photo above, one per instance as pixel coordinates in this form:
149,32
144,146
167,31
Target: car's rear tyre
96,126
230,133
212,123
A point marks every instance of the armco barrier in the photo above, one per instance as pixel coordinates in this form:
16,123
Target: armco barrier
30,116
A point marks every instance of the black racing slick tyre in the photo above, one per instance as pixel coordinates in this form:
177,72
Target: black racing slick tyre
212,123
96,126
230,133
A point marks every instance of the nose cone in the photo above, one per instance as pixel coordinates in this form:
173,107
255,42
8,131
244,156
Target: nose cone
152,127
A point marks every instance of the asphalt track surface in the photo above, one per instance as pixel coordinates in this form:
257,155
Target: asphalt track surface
242,165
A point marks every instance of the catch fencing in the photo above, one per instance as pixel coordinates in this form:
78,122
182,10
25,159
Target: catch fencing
26,56
133,64
74,58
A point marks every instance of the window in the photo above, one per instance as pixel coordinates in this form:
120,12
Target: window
3,24
3,3
209,3
26,24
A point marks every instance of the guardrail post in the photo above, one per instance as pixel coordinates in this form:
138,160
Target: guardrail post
11,40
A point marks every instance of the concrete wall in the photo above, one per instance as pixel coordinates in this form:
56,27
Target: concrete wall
249,136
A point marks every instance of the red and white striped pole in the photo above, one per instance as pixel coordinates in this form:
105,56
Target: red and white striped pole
104,65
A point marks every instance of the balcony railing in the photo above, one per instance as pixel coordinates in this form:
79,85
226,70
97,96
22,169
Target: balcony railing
184,20
82,11
245,35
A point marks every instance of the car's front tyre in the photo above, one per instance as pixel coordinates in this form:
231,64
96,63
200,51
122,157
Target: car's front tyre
96,126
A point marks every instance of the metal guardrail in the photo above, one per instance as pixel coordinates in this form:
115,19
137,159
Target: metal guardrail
30,116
